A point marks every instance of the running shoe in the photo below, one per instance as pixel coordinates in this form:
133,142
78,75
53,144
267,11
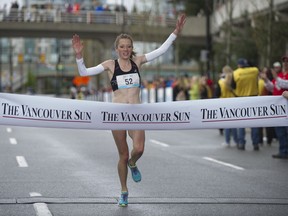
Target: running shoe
136,175
123,200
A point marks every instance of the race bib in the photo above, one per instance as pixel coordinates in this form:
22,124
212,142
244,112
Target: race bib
128,81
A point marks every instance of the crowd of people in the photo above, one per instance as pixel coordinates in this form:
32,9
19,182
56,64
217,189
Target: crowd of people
45,11
244,81
247,80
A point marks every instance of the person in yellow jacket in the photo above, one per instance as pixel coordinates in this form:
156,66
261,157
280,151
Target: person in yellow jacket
245,79
224,90
245,84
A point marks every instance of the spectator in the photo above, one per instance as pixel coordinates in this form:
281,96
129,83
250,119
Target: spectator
245,83
194,88
14,11
270,132
277,87
224,90
180,90
204,89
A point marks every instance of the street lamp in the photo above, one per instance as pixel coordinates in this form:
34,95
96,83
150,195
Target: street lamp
11,65
0,65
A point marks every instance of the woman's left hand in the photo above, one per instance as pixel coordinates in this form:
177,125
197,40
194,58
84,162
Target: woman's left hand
180,23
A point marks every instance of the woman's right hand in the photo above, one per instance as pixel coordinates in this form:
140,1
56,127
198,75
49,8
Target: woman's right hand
77,46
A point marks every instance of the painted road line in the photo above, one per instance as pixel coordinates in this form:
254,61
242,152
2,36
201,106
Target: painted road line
35,194
9,130
13,141
223,163
41,209
159,143
21,161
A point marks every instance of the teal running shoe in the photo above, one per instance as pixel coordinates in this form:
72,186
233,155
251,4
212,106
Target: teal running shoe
136,175
123,200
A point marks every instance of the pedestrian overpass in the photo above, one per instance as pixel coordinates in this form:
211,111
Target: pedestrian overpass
102,26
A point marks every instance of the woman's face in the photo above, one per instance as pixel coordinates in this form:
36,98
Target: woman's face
124,48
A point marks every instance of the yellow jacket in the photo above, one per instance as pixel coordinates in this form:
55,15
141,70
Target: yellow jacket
246,80
226,92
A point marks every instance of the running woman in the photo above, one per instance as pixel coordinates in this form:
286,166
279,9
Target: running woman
125,81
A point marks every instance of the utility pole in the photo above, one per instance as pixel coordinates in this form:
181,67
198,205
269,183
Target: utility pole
229,8
0,65
208,38
269,34
11,65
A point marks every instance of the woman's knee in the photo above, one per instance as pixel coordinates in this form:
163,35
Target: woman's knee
124,156
139,149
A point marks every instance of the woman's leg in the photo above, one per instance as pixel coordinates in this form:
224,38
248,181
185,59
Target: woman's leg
138,137
123,150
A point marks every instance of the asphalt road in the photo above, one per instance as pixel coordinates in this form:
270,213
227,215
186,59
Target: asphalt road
65,172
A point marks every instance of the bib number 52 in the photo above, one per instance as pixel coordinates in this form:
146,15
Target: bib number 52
128,81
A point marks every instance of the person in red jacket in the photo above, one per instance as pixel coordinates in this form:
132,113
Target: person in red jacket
277,87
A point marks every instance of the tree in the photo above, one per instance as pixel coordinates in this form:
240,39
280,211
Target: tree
270,34
193,8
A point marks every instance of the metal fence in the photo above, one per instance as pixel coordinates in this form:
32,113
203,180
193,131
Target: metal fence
151,95
89,17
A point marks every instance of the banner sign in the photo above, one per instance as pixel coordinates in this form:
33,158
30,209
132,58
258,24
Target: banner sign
240,112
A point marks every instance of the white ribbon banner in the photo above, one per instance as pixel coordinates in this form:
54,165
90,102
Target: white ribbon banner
40,111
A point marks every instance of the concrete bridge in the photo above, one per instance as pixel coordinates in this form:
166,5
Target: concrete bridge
102,26
99,28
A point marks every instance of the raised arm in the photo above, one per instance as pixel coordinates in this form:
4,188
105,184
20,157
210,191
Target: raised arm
180,24
165,46
83,71
77,46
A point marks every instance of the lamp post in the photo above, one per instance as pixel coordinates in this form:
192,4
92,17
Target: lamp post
11,65
59,70
21,61
208,38
0,65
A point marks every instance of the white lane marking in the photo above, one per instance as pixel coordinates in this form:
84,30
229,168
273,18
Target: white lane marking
13,141
35,194
21,161
223,163
41,209
159,143
9,130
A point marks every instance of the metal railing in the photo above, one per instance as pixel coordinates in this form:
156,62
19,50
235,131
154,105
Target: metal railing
151,95
89,17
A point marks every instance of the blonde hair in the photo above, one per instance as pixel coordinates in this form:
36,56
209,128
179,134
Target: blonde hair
227,71
124,36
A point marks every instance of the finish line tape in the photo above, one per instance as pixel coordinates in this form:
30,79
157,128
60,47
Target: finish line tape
40,111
